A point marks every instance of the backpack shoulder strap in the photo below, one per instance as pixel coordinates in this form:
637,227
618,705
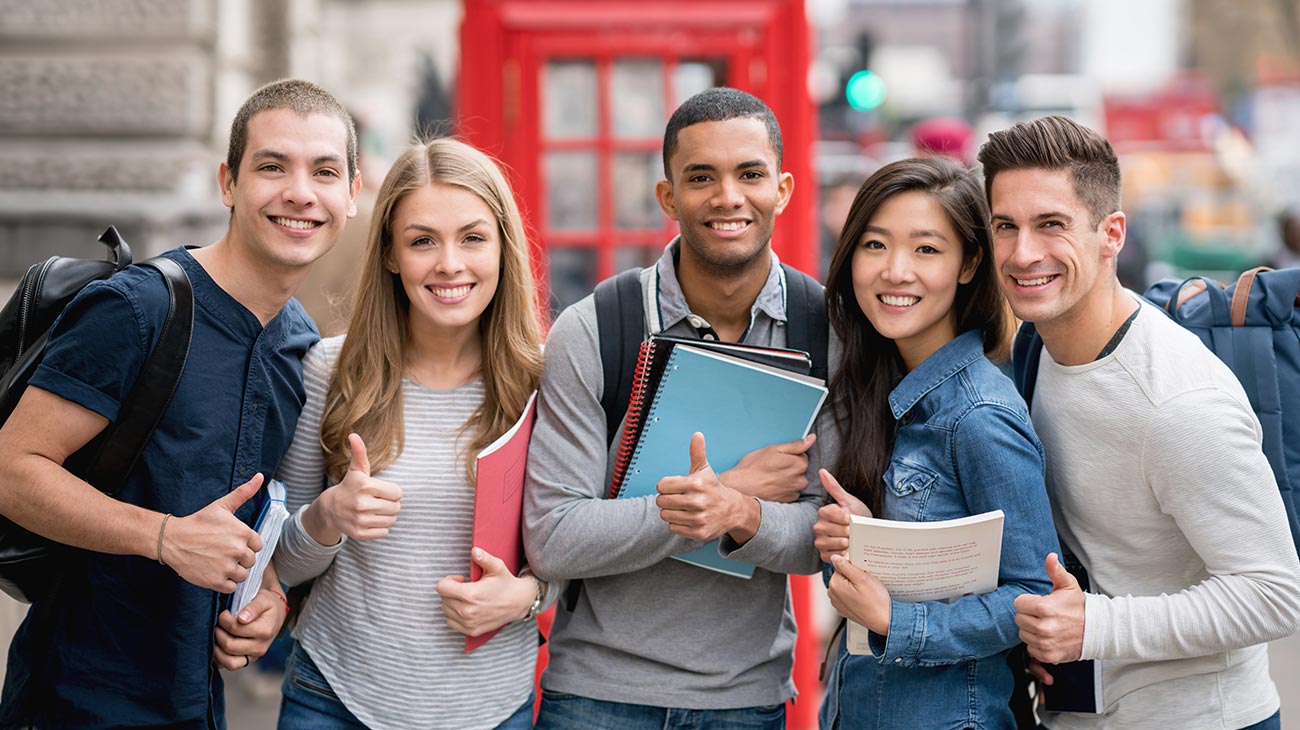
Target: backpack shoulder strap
620,325
805,303
143,408
1025,354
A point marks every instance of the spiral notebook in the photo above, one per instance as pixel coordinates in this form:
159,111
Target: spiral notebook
739,405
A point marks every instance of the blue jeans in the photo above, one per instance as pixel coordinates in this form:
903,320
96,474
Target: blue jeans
310,704
571,712
1272,723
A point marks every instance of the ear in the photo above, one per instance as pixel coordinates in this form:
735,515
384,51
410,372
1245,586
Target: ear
352,197
969,266
785,188
1114,228
226,182
664,194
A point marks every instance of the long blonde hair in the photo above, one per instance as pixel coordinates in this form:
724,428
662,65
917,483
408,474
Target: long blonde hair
365,392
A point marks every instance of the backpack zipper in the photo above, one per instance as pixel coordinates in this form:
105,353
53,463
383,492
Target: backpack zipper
31,288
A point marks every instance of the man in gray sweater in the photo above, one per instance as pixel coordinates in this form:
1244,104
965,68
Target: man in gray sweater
1155,470
651,642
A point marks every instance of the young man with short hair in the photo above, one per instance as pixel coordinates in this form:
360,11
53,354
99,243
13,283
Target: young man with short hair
652,642
1154,462
135,634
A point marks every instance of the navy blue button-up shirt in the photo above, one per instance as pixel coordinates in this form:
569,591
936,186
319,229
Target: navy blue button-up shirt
131,642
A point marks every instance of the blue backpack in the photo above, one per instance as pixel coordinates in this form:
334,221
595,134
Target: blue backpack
1253,326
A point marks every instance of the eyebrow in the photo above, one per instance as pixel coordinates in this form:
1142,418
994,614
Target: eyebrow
282,157
429,229
927,233
704,167
1040,217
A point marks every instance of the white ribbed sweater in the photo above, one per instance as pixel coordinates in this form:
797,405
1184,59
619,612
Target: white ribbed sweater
1159,486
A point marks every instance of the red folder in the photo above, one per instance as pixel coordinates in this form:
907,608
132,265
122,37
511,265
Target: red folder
499,501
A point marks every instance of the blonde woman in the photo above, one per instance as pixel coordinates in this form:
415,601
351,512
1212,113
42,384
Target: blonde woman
441,353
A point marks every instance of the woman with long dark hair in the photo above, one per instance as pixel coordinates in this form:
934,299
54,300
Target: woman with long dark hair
931,430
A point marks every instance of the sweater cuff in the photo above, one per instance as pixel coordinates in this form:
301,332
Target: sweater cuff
1096,620
762,546
299,557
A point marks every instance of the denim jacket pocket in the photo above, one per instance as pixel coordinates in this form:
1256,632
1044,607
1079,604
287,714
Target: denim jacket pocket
909,489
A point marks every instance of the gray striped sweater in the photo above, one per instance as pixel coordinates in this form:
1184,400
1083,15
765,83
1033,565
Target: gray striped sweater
373,623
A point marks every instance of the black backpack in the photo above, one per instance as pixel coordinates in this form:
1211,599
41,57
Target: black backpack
620,325
28,562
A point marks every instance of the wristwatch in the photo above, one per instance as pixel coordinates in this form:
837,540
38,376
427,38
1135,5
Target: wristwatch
538,599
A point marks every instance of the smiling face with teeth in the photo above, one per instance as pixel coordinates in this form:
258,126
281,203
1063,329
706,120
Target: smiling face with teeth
725,193
446,250
905,271
292,195
1054,264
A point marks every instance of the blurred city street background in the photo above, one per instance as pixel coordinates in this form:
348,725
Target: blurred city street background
117,112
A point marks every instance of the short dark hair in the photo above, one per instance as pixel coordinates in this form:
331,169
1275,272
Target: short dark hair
719,104
302,97
1057,143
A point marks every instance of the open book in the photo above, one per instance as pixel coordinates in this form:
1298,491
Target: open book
926,561
499,500
270,523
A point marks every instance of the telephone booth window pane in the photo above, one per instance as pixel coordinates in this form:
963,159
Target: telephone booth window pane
635,175
573,275
571,187
692,77
638,98
627,257
570,99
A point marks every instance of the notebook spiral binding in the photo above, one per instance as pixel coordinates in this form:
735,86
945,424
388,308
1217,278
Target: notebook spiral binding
633,423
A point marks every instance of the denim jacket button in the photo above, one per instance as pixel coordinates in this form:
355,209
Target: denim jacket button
898,660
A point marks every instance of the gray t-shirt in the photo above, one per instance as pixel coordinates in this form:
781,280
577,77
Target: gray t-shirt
647,629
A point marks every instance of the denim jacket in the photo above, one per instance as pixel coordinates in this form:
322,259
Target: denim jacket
963,445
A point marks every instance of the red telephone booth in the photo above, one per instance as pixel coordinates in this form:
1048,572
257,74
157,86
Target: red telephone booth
573,96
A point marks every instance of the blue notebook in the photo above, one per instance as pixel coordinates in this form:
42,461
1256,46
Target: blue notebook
739,406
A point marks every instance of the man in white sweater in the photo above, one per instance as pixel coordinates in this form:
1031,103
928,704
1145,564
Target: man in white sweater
1158,482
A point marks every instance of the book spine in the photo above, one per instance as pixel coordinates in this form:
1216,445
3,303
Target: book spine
632,424
645,416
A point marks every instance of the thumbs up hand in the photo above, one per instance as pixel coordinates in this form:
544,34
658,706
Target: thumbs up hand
1052,626
492,601
360,506
699,506
831,531
213,548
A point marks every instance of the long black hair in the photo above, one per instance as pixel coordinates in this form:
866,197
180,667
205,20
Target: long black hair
871,366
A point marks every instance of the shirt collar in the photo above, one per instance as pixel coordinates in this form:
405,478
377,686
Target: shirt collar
946,362
671,301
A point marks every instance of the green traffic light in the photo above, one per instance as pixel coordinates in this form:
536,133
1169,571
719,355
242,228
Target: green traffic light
865,91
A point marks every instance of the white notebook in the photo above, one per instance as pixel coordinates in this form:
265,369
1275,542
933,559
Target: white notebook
269,525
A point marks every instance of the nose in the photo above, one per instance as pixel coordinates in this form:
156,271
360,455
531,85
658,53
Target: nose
1025,251
298,190
450,260
898,266
728,195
